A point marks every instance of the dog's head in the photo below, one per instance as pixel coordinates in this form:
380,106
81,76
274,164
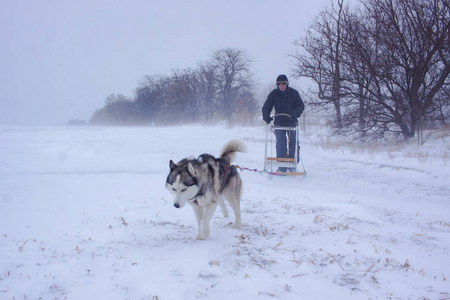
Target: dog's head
182,182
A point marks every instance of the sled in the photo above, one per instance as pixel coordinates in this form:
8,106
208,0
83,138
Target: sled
273,163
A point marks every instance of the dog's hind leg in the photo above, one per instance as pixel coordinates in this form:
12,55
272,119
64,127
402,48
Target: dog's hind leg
234,201
222,205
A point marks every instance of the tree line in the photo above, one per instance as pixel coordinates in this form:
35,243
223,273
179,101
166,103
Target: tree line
221,88
382,66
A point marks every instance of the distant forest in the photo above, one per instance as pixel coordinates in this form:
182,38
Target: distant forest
378,68
219,89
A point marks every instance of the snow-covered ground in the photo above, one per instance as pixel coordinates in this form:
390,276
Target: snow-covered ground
84,214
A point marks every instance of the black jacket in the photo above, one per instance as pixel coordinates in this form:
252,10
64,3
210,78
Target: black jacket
287,102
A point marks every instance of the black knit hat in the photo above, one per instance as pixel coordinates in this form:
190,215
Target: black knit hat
282,77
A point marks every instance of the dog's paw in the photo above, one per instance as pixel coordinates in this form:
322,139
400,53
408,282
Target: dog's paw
202,236
235,225
199,237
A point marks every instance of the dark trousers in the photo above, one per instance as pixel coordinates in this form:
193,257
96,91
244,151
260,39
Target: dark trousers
283,138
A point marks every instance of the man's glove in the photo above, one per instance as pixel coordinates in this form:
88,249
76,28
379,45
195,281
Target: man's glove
267,120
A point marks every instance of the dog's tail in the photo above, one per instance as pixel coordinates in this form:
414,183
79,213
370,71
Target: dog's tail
229,149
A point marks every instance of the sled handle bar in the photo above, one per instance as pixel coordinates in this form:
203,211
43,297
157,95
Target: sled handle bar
281,114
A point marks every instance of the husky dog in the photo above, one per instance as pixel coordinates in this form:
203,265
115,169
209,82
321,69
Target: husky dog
203,182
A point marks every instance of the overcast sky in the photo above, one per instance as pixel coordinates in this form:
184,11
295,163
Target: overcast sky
60,59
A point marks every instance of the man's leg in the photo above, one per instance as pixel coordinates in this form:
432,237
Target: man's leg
292,136
281,143
281,146
292,140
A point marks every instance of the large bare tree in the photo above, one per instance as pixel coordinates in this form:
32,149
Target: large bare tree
413,58
319,58
232,73
390,64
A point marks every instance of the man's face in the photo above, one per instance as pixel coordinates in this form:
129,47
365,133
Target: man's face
282,85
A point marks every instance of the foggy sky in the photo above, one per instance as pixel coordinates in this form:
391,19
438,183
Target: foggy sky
60,59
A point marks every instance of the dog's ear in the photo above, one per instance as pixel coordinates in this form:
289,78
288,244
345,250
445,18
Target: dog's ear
172,165
191,169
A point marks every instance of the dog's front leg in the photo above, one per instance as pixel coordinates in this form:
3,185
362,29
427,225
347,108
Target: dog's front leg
207,215
198,211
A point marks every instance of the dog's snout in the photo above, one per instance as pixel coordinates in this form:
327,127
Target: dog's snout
177,205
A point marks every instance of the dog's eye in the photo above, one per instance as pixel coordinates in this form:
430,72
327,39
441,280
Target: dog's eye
173,189
184,190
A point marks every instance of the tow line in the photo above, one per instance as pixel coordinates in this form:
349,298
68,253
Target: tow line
271,173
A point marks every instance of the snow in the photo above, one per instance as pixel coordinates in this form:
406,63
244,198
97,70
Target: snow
85,215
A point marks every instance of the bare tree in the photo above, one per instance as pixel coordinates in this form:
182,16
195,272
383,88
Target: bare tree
416,57
387,64
319,58
207,92
232,75
118,110
412,43
184,95
151,95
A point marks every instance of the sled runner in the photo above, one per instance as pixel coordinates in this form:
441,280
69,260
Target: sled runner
277,165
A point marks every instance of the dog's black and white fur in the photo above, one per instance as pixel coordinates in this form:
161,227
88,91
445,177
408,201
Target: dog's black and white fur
203,182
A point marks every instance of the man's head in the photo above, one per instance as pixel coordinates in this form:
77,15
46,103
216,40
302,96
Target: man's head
282,82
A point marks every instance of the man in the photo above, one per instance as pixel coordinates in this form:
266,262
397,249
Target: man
289,106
